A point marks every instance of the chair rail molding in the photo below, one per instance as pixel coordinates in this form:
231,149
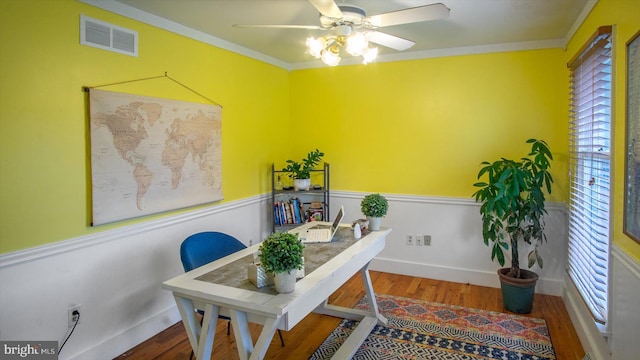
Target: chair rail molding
20,256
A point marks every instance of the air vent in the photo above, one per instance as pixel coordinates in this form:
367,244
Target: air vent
107,36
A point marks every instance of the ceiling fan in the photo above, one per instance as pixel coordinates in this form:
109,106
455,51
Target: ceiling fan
351,28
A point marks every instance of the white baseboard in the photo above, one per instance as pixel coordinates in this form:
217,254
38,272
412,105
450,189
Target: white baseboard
464,276
131,336
592,340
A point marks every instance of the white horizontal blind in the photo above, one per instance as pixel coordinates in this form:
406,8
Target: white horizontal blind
590,172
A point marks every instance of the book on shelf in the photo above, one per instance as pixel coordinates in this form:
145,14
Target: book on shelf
292,211
296,206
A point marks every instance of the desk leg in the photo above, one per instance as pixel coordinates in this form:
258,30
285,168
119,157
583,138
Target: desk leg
246,349
368,319
242,334
201,341
205,344
188,315
355,314
371,296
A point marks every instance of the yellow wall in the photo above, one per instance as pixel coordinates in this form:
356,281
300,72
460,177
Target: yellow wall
412,127
422,127
44,167
625,16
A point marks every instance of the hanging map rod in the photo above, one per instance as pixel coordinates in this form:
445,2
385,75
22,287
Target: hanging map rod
87,88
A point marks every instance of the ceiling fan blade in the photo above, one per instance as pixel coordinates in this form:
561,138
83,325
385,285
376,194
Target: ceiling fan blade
412,15
327,8
307,27
388,40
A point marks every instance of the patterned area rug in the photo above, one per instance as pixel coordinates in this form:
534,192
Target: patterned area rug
420,329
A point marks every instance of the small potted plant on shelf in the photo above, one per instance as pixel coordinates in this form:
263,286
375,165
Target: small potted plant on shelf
281,254
374,207
513,206
300,172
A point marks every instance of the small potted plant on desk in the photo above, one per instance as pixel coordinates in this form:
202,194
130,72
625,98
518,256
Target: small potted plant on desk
513,205
301,172
282,254
374,207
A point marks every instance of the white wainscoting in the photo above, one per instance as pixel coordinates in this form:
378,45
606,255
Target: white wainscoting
625,306
115,275
620,340
457,252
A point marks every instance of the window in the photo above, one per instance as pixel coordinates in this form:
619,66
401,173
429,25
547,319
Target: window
590,171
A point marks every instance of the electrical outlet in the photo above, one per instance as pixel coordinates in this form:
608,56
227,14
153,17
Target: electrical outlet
72,319
427,240
419,239
411,239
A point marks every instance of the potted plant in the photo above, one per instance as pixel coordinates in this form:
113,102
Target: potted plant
374,207
301,172
513,206
281,253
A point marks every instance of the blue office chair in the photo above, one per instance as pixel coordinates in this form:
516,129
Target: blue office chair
202,248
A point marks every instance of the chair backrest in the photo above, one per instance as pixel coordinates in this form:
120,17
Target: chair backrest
205,247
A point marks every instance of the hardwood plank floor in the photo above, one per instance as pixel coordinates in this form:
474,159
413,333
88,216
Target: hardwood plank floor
302,341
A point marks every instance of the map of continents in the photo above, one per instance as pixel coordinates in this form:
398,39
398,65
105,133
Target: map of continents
150,155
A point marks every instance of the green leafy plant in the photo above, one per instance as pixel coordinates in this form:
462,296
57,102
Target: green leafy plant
303,170
281,252
513,204
374,205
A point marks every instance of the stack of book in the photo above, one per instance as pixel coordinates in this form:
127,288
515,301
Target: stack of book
293,212
288,212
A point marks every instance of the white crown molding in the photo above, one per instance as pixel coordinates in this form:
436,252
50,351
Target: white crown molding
162,23
436,53
586,10
80,242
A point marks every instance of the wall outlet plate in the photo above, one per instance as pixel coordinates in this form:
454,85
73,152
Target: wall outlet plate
411,239
70,317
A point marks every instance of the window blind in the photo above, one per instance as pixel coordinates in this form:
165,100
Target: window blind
590,171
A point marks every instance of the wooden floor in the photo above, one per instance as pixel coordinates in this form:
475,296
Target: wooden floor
302,341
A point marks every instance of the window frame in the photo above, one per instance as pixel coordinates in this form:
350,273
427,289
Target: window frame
589,232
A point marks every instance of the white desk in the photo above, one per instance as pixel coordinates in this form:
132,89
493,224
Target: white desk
222,287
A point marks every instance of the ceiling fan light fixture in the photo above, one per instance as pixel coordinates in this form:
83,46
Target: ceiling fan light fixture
330,58
357,43
315,46
369,55
327,48
345,21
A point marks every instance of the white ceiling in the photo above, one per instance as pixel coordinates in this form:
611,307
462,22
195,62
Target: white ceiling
472,25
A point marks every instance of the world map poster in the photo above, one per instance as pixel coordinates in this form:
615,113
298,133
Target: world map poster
150,155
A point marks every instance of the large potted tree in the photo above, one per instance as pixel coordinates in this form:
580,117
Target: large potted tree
281,254
513,209
300,172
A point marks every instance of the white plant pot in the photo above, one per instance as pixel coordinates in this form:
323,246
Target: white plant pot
374,223
285,281
302,184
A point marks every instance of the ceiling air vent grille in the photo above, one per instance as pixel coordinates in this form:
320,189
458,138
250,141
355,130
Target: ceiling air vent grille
107,36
